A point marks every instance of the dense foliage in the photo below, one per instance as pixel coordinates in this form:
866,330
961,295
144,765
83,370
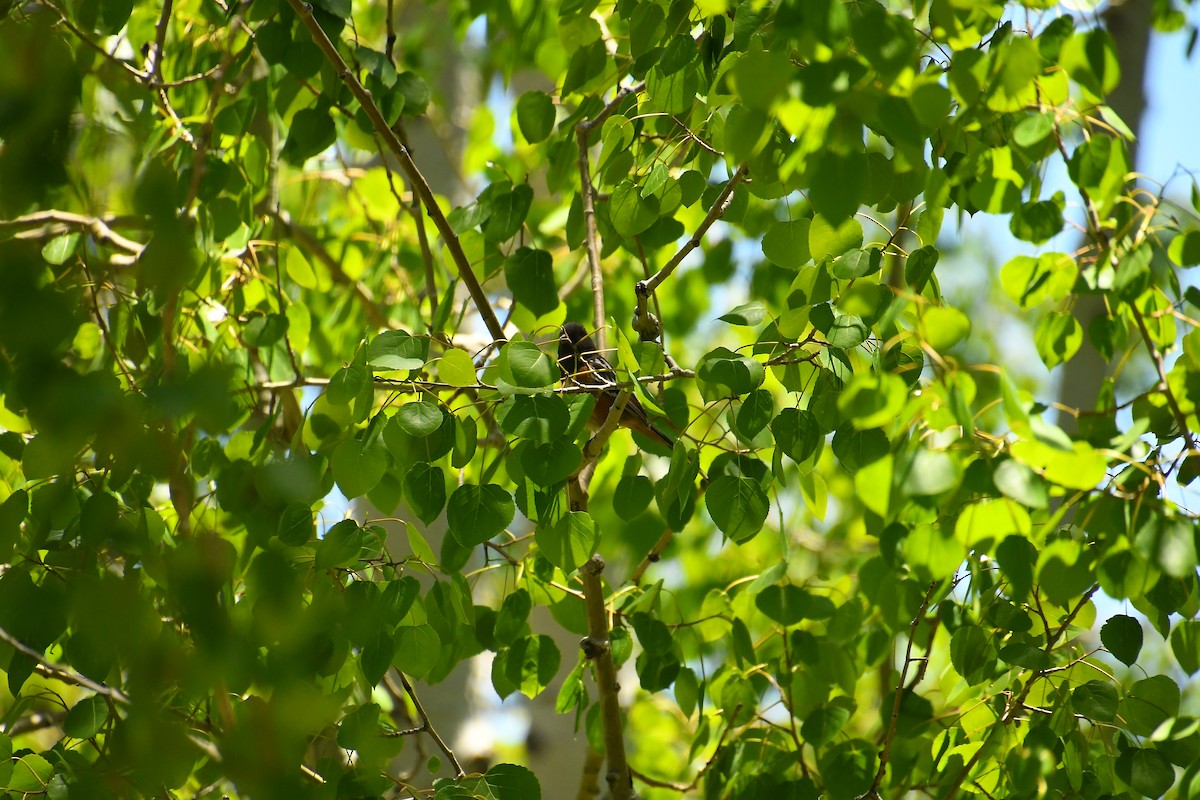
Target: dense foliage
230,301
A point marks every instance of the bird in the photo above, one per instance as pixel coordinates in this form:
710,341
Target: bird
583,365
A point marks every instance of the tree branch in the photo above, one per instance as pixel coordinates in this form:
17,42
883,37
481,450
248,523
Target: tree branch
53,222
420,185
596,647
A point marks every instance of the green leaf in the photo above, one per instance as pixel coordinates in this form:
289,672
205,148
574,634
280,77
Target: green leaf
530,276
1185,644
632,495
1096,700
918,268
857,448
512,617
674,93
570,541
857,263
418,648
478,513
1033,130
358,465
508,212
311,131
932,552
930,472
629,211
786,244
340,546
421,418
550,463
738,506
512,782
1149,703
523,364
1146,771
86,718
456,368
299,270
747,314
797,433
942,327
872,400
827,721
397,350
425,489
1090,58
1184,250
1037,222
527,666
788,604
847,768
535,116
1024,653
264,330
1019,482
740,374
350,382
754,413
991,520
30,774
827,239
60,248
1082,467
296,525
542,418
1122,635
838,182
972,654
843,331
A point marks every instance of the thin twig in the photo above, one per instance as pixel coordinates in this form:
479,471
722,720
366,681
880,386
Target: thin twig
1156,356
415,177
588,197
635,577
1017,703
57,672
428,726
715,213
886,752
83,37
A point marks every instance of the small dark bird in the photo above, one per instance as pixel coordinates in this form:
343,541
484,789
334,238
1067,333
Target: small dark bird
583,365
